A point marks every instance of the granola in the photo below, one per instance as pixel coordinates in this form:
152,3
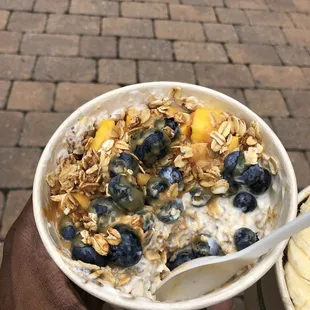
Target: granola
149,187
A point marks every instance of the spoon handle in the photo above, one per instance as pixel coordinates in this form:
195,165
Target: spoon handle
279,235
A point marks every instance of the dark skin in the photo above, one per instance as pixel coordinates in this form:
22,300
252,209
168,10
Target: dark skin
30,280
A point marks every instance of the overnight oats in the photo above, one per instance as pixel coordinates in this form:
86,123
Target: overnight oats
141,191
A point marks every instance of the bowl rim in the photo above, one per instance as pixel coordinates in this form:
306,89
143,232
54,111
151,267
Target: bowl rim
204,301
280,274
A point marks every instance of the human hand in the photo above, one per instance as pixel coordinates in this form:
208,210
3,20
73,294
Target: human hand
29,279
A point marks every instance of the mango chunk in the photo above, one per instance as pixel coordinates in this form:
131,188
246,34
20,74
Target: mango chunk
234,144
103,133
202,126
82,200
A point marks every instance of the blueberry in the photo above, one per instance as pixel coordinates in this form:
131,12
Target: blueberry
203,245
244,237
245,201
199,197
240,166
180,257
155,191
250,175
233,185
66,228
119,163
125,194
171,212
129,251
87,254
150,145
148,219
262,184
102,206
230,161
172,174
168,122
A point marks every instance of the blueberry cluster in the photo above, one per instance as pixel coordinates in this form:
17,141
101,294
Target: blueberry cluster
245,182
202,245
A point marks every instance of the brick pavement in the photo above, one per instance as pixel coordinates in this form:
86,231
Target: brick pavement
56,55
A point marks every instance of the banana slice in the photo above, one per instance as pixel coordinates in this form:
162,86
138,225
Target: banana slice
302,239
298,287
299,260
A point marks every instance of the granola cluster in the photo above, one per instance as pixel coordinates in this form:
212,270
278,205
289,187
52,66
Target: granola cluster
151,178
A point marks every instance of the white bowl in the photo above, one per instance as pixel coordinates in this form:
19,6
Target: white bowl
285,296
124,97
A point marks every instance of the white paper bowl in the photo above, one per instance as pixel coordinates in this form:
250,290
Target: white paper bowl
124,97
285,296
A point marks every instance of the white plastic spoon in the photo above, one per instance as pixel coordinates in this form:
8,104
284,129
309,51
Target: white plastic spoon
202,275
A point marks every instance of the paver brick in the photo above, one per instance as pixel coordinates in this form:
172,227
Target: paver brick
145,49
176,30
227,75
19,5
260,35
293,55
252,53
301,168
279,77
192,13
231,16
160,1
298,103
302,5
262,18
4,90
16,201
65,69
233,93
27,22
55,6
301,20
246,4
308,156
218,3
114,71
94,7
281,5
4,16
10,126
17,166
299,37
266,102
70,96
73,24
165,71
50,44
293,132
15,67
199,52
92,46
9,41
127,27
39,127
29,96
220,33
144,10
306,72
